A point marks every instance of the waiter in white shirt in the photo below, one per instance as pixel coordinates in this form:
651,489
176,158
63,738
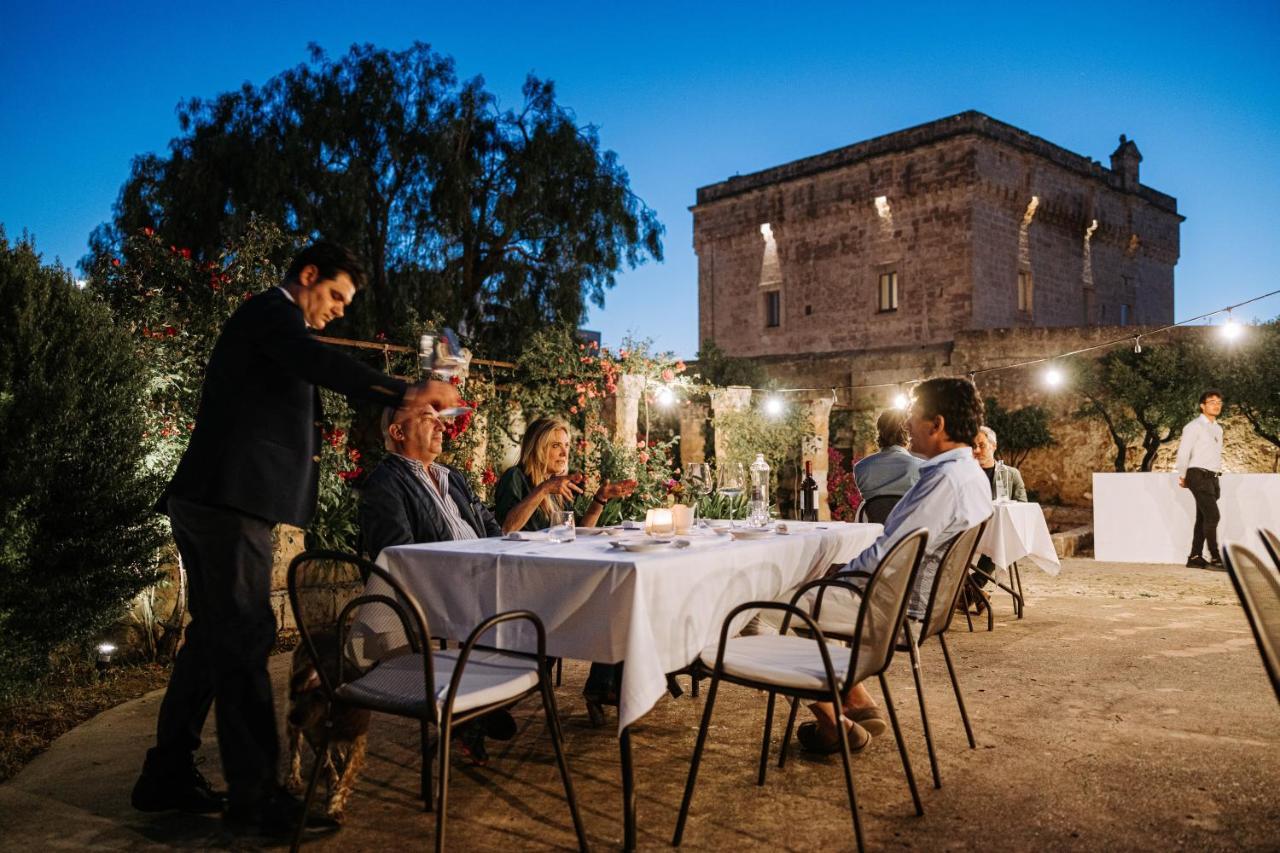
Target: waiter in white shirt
1199,468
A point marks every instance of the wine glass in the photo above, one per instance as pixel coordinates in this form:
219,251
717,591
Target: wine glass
698,475
732,480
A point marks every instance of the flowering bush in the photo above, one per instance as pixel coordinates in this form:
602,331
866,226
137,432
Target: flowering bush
842,492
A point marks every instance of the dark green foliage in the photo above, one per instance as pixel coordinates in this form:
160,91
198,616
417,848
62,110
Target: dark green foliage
1018,431
722,370
498,219
80,536
1248,374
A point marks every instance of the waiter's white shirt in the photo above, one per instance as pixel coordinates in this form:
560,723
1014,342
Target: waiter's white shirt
1200,447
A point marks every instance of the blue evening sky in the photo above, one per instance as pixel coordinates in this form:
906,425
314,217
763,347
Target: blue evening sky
689,94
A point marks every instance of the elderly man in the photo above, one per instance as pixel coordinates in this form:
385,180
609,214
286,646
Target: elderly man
951,496
410,497
1006,481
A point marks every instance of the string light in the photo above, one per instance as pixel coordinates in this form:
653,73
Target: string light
1137,344
1231,330
901,400
1052,376
665,396
774,406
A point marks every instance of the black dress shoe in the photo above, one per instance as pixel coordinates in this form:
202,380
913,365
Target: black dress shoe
1215,563
1196,562
275,817
184,790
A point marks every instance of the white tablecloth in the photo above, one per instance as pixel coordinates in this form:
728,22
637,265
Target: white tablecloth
655,610
1017,531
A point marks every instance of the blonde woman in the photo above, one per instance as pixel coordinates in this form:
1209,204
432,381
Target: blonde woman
529,492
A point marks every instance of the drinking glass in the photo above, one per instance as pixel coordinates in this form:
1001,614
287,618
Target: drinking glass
698,475
732,479
562,527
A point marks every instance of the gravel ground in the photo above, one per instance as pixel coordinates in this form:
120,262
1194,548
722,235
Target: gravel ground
1128,711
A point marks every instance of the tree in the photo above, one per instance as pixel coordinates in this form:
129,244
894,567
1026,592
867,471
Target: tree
718,368
1018,431
1249,376
81,537
498,219
1146,396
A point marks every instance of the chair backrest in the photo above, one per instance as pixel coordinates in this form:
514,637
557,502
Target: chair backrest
1271,541
1258,586
951,574
884,606
328,588
878,508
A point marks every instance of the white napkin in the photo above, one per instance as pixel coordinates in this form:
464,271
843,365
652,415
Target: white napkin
526,536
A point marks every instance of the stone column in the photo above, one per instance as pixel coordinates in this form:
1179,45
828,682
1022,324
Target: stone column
735,398
814,449
622,412
692,443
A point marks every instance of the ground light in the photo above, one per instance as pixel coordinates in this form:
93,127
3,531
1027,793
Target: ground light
105,651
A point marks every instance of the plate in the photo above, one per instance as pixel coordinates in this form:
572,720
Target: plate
596,531
642,545
737,533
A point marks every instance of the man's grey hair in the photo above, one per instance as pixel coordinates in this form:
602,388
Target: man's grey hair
388,418
990,434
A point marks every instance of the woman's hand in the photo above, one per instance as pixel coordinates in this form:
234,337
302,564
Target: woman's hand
562,485
615,489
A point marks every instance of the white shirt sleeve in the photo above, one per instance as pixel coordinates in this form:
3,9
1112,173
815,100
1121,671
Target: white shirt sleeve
1190,433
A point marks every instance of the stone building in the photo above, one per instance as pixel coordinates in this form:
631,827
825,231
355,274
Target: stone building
960,224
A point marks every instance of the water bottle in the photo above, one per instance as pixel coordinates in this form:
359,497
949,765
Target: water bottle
759,507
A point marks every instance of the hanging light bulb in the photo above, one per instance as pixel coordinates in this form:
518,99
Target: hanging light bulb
774,406
1231,330
1137,344
1052,376
901,401
665,396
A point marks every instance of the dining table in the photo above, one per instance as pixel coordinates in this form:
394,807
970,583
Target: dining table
615,595
1017,531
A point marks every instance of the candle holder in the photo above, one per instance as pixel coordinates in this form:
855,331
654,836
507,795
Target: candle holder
658,522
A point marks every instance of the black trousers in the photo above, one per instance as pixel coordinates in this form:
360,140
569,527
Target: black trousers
1206,488
223,662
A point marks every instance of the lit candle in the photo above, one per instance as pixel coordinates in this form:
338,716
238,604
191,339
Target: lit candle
682,517
657,522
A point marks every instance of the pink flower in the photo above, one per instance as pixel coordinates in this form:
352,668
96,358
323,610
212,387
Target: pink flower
644,456
668,375
622,353
573,410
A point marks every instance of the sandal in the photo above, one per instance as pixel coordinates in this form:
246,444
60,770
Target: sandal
811,739
873,719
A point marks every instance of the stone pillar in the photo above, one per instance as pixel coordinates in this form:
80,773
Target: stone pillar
622,412
692,443
814,449
735,398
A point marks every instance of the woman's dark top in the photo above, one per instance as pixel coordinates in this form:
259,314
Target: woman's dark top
513,487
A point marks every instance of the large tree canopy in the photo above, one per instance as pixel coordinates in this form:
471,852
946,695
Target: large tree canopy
495,219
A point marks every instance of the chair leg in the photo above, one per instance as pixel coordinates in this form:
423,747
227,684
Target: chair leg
786,738
902,745
764,741
446,732
311,791
1022,599
694,681
559,671
557,737
991,613
924,714
428,771
964,590
848,771
697,758
955,686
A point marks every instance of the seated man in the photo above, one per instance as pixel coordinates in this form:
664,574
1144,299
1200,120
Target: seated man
1006,484
412,498
951,496
891,471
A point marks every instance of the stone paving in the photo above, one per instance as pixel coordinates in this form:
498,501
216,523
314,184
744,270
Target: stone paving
1128,711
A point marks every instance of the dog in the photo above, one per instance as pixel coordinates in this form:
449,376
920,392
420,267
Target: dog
309,708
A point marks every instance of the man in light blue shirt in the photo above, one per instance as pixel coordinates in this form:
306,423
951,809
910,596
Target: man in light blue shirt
951,496
893,470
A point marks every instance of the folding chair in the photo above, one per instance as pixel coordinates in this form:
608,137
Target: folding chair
475,680
877,509
810,668
1258,586
1271,541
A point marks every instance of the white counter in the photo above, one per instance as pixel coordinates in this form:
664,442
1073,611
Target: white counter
1147,517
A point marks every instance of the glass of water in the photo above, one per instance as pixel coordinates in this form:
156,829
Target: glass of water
562,527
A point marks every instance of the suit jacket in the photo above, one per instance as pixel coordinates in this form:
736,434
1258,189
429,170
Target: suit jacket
256,444
395,509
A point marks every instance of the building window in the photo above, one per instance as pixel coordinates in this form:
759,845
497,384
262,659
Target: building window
773,309
1124,315
888,291
1026,291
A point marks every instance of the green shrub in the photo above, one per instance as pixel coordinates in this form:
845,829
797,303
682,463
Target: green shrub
80,536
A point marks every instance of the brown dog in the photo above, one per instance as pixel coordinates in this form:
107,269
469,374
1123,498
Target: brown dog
308,710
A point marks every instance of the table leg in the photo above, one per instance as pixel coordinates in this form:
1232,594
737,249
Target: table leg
628,792
1019,603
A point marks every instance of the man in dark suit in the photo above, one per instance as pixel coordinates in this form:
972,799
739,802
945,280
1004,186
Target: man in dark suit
253,462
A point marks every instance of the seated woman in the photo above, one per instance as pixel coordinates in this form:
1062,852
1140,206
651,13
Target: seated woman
525,497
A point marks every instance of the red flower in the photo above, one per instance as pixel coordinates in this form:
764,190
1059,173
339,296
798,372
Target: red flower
170,331
186,253
115,262
455,380
488,477
382,336
353,454
150,232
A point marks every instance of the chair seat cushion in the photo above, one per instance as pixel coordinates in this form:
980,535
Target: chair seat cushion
396,685
785,661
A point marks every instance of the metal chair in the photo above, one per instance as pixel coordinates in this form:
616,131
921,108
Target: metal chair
952,571
1271,541
877,509
810,668
477,679
1258,586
